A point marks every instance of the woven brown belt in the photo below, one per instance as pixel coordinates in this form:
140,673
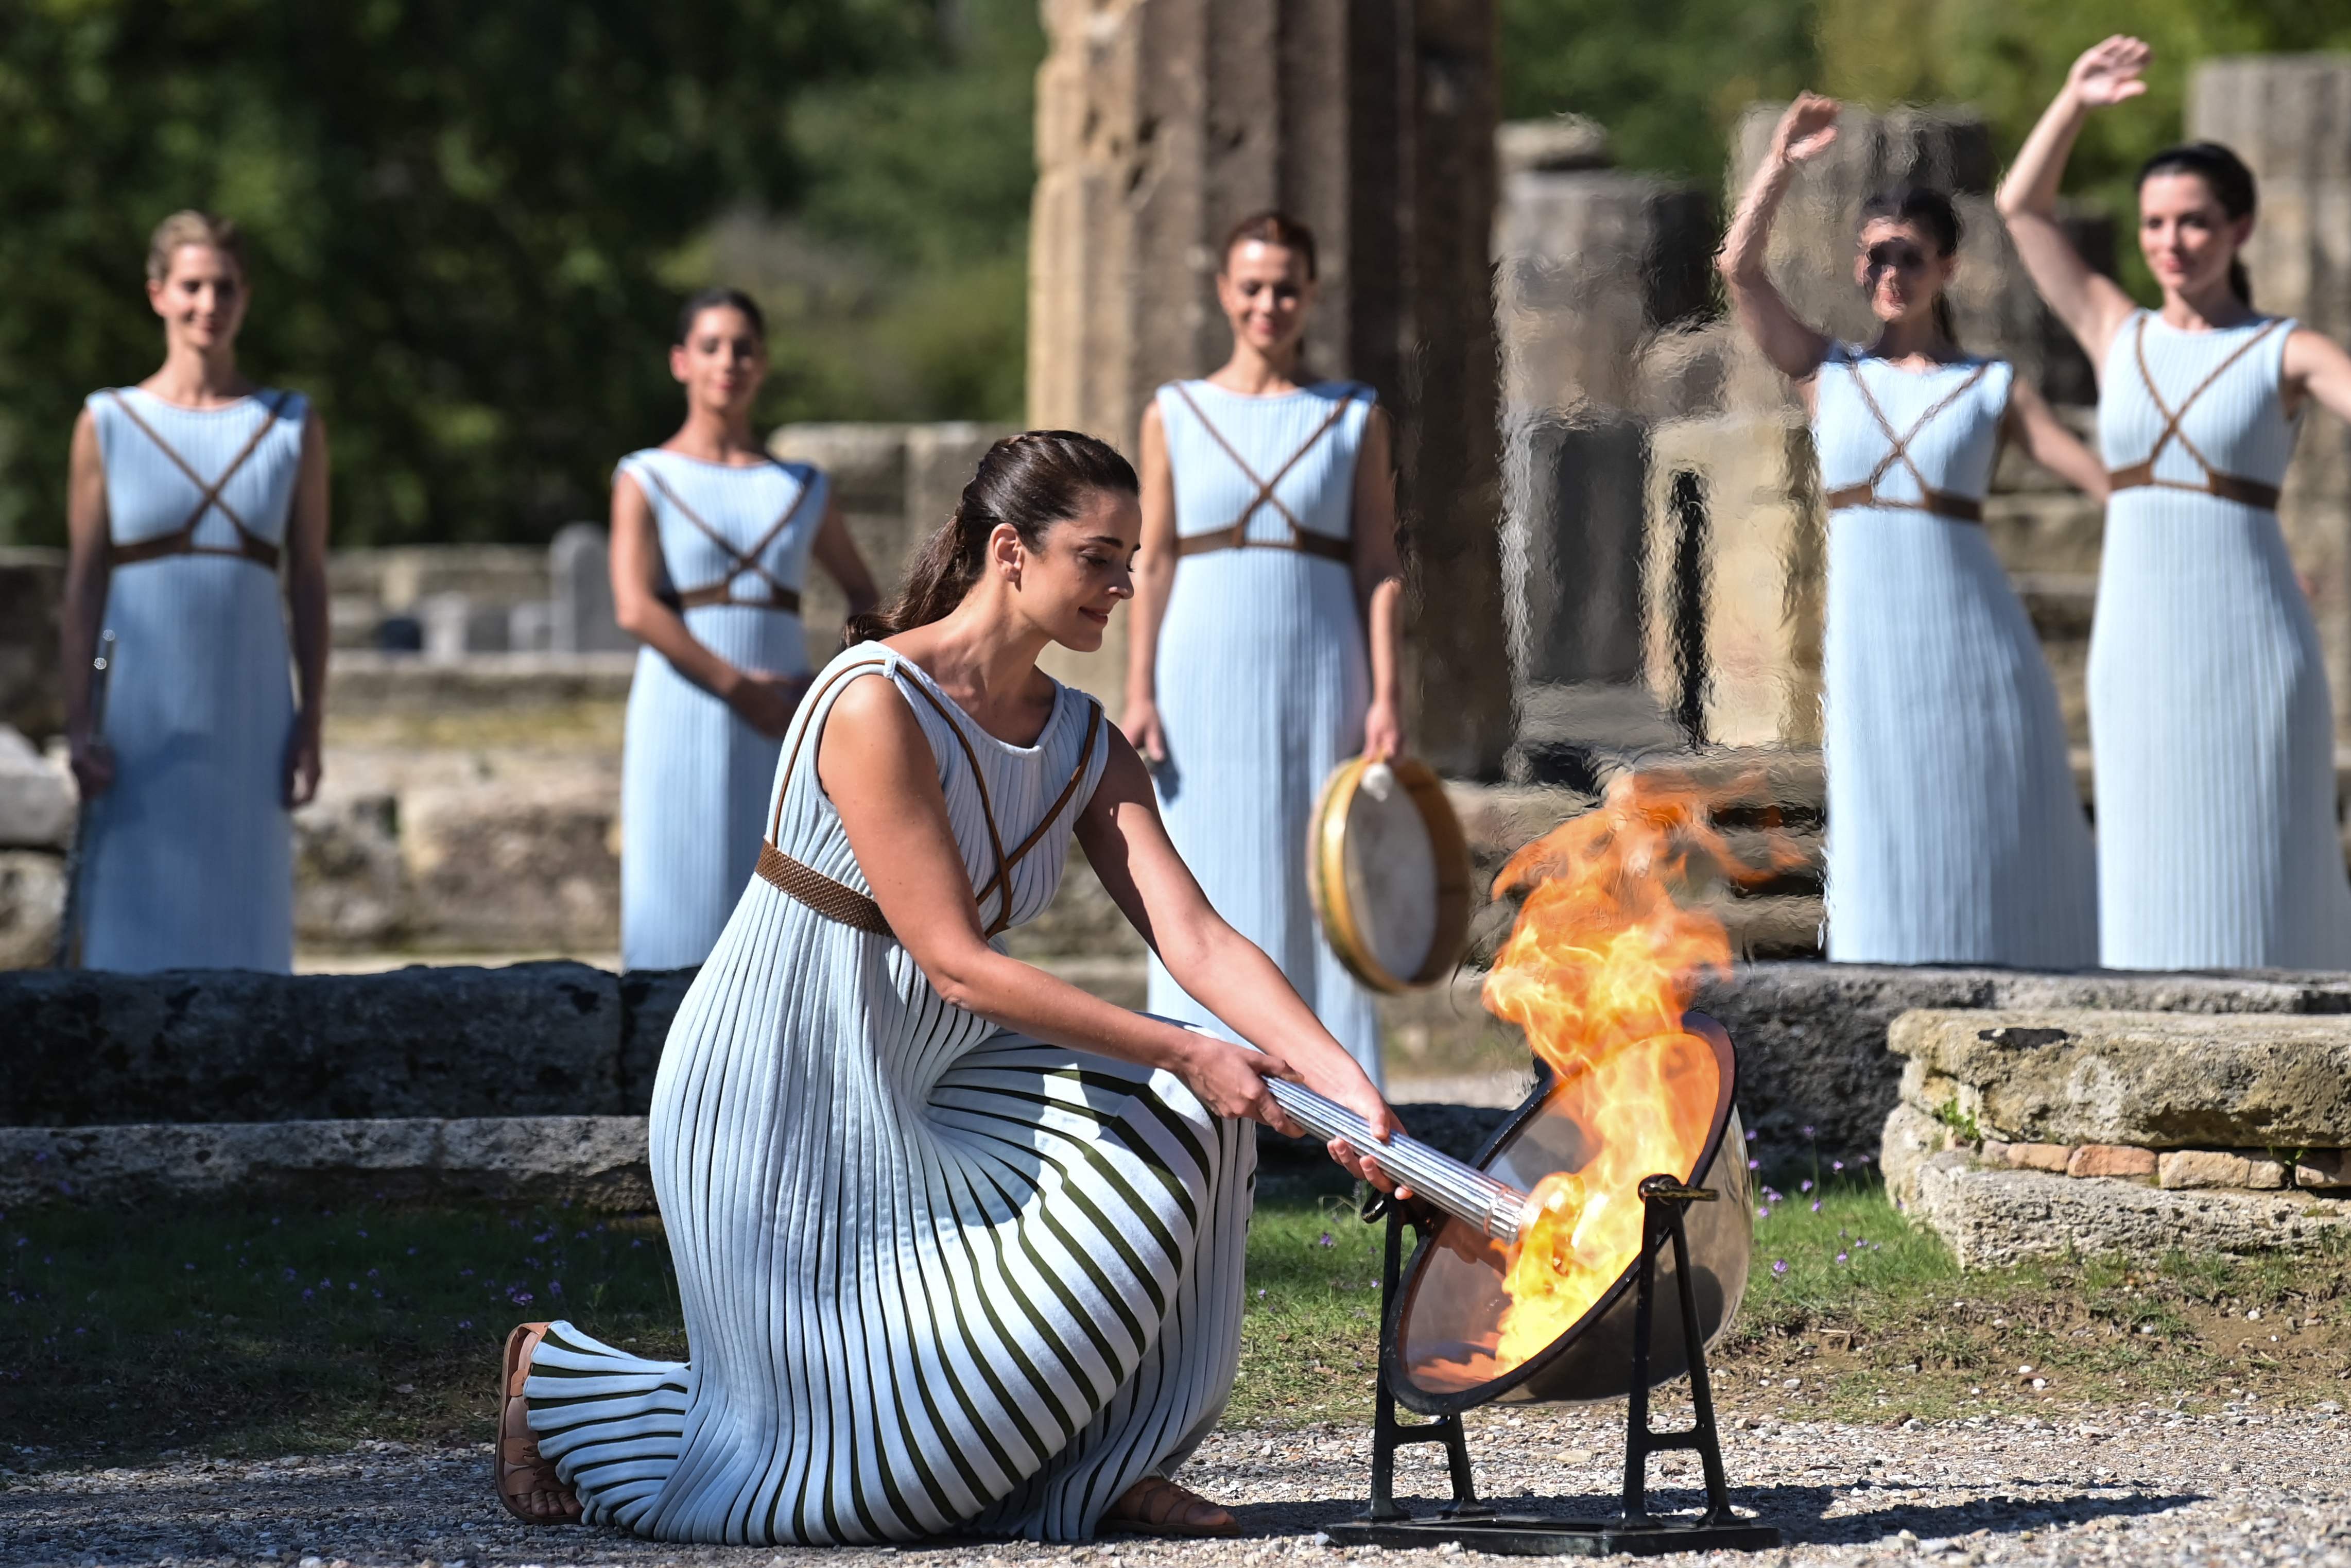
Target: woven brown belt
248,547
833,900
1942,504
2228,487
784,599
1305,542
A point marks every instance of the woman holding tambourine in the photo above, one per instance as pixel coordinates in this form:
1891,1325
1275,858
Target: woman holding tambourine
1263,651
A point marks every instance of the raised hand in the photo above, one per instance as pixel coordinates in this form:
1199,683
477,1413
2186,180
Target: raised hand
2109,72
1807,128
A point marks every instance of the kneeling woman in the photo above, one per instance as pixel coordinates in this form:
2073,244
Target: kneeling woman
958,1245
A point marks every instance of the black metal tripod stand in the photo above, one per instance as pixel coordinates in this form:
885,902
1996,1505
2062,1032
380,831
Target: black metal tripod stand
1635,1531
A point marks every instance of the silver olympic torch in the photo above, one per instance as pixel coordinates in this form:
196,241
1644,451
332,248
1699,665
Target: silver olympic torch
1461,1191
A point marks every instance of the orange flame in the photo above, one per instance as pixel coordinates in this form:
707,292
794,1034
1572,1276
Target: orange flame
1597,971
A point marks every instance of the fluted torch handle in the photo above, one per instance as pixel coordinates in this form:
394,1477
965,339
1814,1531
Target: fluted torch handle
1461,1191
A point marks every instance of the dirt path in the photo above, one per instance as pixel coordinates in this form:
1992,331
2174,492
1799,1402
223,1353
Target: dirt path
2130,1486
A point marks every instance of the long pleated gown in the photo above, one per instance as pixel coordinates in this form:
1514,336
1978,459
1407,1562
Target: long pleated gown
190,862
1954,834
934,1274
1263,674
695,777
2210,714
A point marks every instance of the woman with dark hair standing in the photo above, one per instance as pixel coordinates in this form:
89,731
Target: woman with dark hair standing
958,1245
1955,835
1266,608
187,494
711,541
2210,715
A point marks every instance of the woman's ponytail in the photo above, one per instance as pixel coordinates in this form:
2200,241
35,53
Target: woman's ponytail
1029,481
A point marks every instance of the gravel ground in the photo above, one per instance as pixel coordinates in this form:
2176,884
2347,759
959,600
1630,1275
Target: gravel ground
2242,1486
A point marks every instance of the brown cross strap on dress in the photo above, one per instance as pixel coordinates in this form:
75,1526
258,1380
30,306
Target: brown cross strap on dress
2228,487
1235,536
778,595
181,540
838,901
1941,503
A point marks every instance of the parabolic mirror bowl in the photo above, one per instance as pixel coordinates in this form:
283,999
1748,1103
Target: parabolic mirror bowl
1445,1320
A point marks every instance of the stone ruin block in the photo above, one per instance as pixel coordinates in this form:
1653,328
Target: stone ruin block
1576,487
580,601
2021,1132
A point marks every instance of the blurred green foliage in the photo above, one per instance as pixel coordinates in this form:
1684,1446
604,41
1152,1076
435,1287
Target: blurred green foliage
466,221
1668,80
470,224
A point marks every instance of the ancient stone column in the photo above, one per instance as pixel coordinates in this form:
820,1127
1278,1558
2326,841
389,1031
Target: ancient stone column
1591,265
2289,118
1160,124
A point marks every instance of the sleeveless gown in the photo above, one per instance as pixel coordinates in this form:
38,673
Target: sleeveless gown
935,1274
1263,682
2209,707
1955,833
190,862
695,778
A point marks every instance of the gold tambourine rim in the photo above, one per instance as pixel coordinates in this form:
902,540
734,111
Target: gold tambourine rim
1326,875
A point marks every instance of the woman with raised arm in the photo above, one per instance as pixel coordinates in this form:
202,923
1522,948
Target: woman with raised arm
1267,611
958,1245
2210,715
711,542
1955,835
186,494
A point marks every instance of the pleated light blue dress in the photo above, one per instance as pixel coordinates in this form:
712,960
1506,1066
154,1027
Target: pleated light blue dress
695,777
935,1274
1264,674
190,862
2210,714
1954,834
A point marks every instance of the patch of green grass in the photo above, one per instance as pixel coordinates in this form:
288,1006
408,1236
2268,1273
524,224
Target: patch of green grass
1310,1323
226,1330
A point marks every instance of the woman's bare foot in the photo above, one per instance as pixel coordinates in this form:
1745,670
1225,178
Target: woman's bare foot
1157,1506
526,1482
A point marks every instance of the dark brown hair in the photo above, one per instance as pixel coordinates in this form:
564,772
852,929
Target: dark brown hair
1930,210
2225,176
702,299
1032,481
1270,227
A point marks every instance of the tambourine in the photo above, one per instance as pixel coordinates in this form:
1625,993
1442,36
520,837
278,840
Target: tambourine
1389,870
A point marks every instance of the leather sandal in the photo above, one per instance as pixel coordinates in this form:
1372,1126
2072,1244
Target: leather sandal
526,1481
1157,1506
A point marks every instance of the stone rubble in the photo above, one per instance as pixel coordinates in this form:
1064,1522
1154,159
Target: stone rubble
2142,1487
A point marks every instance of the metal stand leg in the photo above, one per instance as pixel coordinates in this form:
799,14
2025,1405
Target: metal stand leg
1388,1434
1664,1202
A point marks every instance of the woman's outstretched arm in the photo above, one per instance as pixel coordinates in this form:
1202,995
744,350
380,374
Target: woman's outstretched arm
2092,305
1793,345
2044,438
877,768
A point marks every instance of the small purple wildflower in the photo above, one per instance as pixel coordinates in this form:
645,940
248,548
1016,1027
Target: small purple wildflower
1808,1132
1324,1240
1841,1257
1805,1185
1816,1206
1754,1164
1837,1164
1779,1265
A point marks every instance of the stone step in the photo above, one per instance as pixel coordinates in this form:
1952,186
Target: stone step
596,1162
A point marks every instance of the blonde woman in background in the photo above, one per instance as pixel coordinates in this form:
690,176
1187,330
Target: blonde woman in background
187,495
